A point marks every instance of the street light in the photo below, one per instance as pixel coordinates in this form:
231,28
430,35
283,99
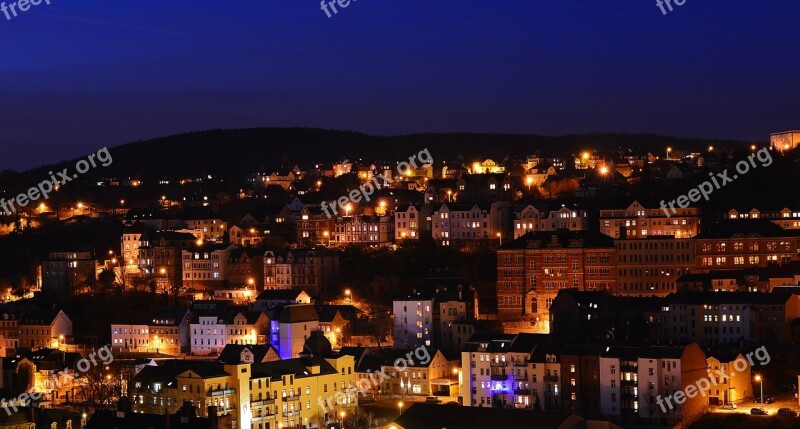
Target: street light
449,196
500,236
348,294
400,405
711,148
669,149
342,414
347,209
529,180
761,380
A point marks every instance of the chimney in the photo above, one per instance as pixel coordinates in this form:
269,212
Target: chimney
213,419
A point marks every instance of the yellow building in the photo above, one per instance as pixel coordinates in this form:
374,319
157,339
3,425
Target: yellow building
293,393
731,381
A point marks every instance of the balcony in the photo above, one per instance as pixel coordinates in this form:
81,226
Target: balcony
498,364
221,392
551,378
291,398
499,377
261,402
522,392
291,413
520,363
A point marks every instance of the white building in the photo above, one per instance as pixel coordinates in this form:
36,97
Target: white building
544,218
413,320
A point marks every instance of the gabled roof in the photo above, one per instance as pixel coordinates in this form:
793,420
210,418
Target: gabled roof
39,317
232,353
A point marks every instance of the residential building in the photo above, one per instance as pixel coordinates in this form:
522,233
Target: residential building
68,270
469,224
314,227
545,217
412,222
533,268
304,269
272,298
651,266
205,266
246,269
291,326
784,141
160,254
737,384
44,329
374,231
745,244
636,221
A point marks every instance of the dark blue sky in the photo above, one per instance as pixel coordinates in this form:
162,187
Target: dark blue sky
81,74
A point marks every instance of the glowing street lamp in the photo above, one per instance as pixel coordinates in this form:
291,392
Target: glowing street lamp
400,405
500,236
347,209
753,147
529,181
669,149
449,196
711,148
349,295
603,170
761,380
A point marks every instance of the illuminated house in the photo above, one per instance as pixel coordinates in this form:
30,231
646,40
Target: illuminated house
44,328
783,141
543,217
745,244
637,221
533,268
303,269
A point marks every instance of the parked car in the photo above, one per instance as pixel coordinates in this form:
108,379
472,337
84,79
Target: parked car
728,407
758,412
786,412
432,400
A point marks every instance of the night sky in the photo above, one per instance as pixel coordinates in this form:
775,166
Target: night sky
77,75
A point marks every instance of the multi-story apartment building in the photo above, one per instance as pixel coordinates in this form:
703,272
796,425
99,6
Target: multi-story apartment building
533,268
424,318
413,320
737,386
375,231
726,318
168,330
246,269
429,377
44,329
784,216
291,326
745,244
496,371
662,371
314,228
212,331
469,224
66,270
129,247
412,222
636,221
307,269
205,266
261,395
543,217
619,382
651,266
160,254
785,140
